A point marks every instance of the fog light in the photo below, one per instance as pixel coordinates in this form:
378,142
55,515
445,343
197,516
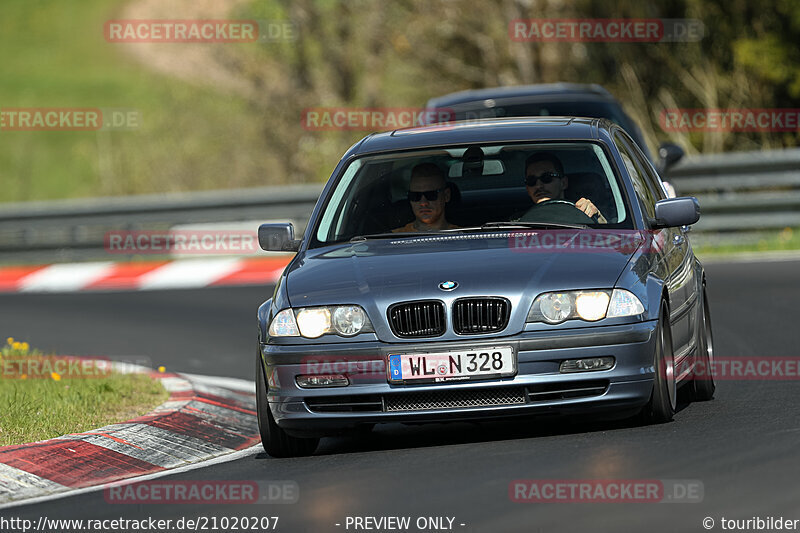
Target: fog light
587,365
322,380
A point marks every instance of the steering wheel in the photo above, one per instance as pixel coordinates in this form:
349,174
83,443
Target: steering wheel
556,211
554,202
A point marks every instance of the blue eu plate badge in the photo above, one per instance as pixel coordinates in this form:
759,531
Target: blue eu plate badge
395,368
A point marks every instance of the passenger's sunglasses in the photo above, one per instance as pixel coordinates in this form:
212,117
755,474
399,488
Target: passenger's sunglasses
416,196
545,178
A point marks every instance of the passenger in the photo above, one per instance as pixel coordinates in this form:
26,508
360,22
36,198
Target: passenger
545,180
428,193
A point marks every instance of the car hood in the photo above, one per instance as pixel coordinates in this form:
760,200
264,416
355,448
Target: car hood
514,265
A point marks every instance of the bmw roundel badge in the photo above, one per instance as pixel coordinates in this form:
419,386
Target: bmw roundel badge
448,285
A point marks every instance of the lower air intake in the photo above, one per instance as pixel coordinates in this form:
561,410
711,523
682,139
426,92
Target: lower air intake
455,399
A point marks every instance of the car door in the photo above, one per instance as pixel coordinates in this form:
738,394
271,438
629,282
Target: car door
671,242
680,262
686,272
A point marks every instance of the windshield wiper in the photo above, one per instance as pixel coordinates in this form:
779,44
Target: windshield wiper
487,225
392,235
523,224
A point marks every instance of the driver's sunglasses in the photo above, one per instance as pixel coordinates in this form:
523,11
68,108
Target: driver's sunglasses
416,196
545,178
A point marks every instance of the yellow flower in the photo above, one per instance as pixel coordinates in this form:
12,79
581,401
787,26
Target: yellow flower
24,376
10,341
162,369
16,345
55,376
25,346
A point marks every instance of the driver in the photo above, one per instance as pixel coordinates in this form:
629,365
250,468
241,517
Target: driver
545,180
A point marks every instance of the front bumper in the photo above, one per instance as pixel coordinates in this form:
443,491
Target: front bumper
538,387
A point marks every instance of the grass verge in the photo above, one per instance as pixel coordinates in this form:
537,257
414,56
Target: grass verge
189,136
42,397
786,239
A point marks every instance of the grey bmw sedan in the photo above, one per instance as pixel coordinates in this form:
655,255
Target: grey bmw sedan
486,269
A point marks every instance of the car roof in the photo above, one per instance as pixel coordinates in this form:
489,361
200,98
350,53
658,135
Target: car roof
539,92
490,130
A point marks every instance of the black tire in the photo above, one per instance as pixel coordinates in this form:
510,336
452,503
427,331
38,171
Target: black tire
276,441
703,385
663,399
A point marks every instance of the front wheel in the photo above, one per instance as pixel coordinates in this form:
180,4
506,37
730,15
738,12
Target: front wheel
664,398
275,440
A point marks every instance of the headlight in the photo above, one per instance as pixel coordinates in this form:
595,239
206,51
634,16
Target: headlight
624,303
283,325
348,320
313,322
556,307
591,306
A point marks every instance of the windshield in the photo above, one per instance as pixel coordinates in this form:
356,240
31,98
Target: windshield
463,188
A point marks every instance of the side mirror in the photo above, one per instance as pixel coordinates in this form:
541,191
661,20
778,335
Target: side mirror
668,155
674,212
277,238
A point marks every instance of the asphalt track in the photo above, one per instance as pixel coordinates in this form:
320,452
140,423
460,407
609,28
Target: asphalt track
743,446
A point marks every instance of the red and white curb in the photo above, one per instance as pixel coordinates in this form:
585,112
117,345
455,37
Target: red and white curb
199,422
145,275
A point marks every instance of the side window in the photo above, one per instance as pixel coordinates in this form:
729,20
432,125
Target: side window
333,219
649,173
643,191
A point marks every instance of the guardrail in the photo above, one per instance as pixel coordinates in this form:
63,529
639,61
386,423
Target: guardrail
744,190
71,230
741,194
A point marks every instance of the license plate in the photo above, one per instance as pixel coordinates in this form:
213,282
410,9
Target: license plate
479,363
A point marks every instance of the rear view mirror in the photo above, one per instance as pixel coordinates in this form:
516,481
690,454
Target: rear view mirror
277,238
668,155
674,212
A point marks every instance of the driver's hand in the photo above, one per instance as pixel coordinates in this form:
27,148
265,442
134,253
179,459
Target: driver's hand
586,205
